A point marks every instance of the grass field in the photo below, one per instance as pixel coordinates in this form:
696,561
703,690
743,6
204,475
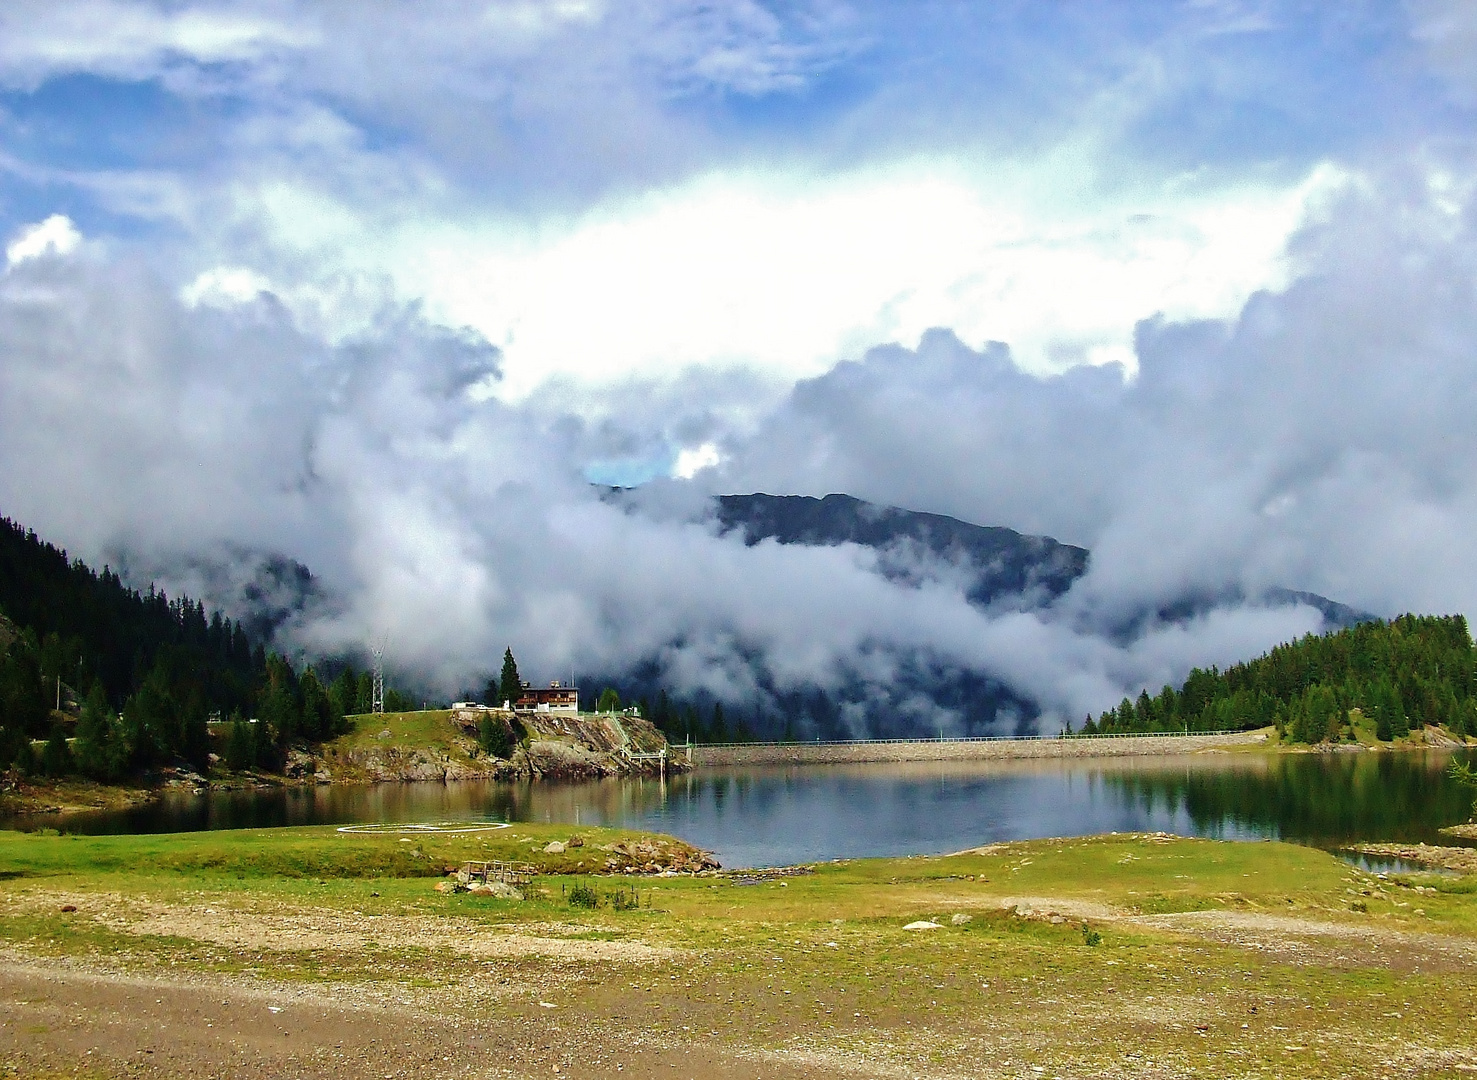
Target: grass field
408,730
1107,956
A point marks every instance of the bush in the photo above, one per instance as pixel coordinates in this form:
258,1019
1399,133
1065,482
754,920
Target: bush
495,737
24,761
583,896
1090,937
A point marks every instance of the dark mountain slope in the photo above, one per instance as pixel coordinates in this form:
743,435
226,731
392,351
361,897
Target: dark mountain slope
1000,566
998,563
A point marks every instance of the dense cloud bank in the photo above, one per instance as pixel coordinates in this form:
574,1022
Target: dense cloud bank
1321,440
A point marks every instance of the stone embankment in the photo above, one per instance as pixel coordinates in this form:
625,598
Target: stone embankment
838,753
547,746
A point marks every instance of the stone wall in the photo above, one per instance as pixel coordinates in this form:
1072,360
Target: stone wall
959,749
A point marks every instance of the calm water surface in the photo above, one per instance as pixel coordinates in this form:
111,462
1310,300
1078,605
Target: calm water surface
768,816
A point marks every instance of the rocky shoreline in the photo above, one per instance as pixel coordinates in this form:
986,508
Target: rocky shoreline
548,747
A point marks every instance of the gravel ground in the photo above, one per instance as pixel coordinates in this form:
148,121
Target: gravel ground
70,1020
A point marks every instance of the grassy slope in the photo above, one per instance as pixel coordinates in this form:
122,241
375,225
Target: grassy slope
821,963
408,730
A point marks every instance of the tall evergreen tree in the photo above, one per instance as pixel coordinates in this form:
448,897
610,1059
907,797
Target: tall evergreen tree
344,693
241,745
99,750
56,759
510,686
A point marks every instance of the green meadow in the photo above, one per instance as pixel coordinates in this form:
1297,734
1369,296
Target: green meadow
1111,955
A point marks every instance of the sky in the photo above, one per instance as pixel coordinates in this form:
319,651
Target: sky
388,290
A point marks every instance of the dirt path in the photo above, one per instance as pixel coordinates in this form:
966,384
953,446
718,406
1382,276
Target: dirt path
281,927
1337,944
223,984
66,1020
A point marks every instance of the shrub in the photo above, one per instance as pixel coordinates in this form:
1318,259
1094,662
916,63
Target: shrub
495,736
583,896
1090,936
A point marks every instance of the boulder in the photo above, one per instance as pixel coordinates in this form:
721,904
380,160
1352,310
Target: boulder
500,889
554,847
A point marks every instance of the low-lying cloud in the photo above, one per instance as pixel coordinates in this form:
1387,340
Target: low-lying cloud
1320,440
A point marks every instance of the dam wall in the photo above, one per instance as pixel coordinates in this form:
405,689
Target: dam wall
703,755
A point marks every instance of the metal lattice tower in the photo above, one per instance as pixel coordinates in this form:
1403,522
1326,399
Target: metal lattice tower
377,695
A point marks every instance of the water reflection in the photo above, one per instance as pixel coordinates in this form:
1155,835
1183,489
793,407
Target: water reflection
761,816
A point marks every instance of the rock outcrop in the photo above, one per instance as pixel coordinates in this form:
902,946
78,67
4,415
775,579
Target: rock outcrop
548,746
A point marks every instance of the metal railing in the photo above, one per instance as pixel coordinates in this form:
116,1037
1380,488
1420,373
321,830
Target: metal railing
964,739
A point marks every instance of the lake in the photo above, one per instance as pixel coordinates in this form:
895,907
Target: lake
778,815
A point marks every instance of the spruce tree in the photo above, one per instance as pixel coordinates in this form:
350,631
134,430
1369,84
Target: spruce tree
241,747
99,748
280,705
56,759
318,713
344,693
510,686
1383,731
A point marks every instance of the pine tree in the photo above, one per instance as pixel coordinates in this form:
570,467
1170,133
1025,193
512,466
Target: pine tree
241,746
99,749
317,710
56,759
510,686
281,707
344,693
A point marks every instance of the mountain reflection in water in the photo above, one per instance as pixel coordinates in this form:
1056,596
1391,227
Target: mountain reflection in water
768,816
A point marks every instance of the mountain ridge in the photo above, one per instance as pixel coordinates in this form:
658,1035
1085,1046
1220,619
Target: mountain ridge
1001,566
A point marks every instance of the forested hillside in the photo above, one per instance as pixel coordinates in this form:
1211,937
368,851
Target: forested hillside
149,672
1418,669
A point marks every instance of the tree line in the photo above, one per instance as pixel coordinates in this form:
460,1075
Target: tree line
681,721
149,673
1413,670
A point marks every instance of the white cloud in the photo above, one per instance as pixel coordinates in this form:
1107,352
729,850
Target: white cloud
459,526
225,286
56,234
693,460
42,39
786,275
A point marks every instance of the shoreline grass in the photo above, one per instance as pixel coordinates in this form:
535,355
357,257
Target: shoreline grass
1107,955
